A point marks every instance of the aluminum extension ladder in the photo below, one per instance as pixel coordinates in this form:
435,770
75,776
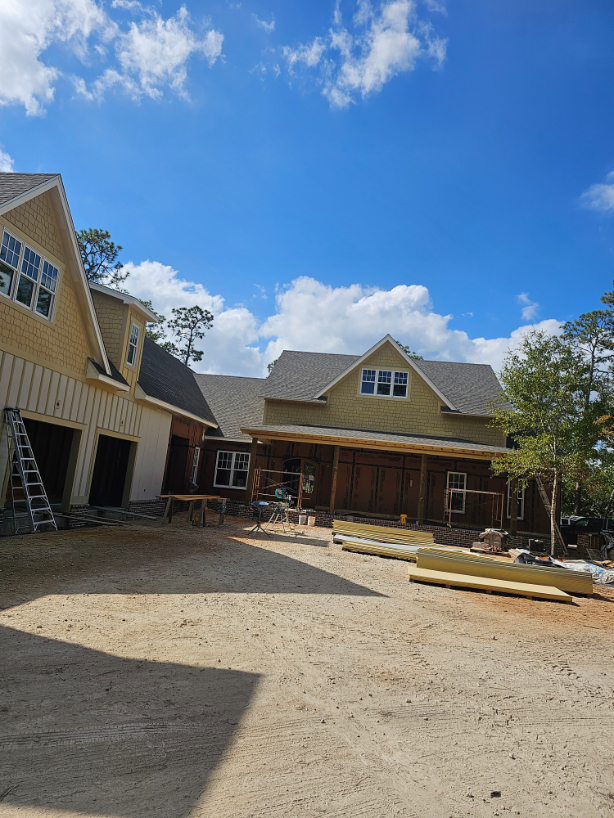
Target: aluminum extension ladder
28,496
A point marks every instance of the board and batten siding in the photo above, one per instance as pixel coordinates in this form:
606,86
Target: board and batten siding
53,396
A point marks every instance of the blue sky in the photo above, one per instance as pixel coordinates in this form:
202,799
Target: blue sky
318,174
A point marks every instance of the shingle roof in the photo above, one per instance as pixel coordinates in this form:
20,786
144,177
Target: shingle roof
165,378
13,185
115,373
235,402
366,436
469,387
301,375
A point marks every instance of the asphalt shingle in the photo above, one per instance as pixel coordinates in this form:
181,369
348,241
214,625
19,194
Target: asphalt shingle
234,401
165,378
13,185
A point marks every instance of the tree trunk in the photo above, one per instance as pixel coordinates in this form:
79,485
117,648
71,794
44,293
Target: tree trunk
553,508
577,498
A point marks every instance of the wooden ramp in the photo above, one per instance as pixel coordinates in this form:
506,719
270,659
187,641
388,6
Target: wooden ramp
451,580
574,582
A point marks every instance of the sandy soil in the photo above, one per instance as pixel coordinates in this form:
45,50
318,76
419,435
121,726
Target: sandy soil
166,672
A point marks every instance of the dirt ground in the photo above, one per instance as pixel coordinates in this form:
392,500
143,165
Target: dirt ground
165,671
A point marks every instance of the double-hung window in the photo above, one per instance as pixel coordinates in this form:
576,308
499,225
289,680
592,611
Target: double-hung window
385,383
26,277
457,484
508,513
231,470
133,345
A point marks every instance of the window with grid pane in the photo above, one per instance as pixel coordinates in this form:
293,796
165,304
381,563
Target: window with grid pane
133,345
520,502
231,470
385,383
456,499
26,276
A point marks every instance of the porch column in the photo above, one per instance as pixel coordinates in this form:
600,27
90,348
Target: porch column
253,450
333,489
422,494
513,506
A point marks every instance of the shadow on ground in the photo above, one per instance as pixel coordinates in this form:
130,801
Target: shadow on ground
153,561
85,731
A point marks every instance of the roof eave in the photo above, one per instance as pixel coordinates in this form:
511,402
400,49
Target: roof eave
141,395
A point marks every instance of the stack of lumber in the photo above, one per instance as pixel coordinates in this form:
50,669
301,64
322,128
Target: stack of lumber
468,569
489,585
380,540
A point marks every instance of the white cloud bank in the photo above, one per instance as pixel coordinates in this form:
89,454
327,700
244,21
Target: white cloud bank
600,197
315,317
146,55
530,308
6,162
383,40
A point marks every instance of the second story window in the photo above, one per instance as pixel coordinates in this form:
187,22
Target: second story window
133,345
385,383
26,277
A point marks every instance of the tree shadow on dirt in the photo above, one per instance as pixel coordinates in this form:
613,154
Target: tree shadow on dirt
88,732
134,561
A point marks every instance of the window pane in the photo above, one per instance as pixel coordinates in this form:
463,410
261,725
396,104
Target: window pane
224,460
24,291
43,303
11,248
400,385
384,380
309,478
239,479
6,278
222,477
241,461
457,480
367,388
30,264
49,277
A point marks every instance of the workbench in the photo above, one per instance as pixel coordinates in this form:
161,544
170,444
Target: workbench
191,499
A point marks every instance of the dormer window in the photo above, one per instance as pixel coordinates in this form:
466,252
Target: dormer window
26,277
384,383
133,345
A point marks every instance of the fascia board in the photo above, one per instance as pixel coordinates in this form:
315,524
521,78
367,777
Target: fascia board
92,374
92,327
403,354
129,300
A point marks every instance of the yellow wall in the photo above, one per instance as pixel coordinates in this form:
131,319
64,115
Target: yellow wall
116,319
62,340
418,414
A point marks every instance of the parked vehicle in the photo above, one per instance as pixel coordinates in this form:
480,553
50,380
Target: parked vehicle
572,526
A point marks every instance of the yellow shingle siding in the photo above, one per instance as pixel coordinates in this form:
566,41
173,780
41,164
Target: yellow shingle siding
418,414
61,342
112,318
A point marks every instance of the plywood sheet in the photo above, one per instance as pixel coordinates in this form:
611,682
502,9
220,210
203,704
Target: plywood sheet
487,584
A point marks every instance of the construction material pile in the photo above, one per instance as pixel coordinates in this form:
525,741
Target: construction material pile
401,543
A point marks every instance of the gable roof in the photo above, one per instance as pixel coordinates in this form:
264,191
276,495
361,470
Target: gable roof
148,316
235,402
165,379
306,376
302,375
17,189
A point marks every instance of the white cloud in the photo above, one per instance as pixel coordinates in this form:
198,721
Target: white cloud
600,197
386,40
268,27
6,162
26,32
147,56
312,316
530,308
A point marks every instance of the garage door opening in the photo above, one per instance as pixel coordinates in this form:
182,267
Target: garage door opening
52,445
111,478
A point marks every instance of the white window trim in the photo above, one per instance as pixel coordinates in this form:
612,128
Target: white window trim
133,325
12,294
452,493
232,469
195,461
508,502
393,372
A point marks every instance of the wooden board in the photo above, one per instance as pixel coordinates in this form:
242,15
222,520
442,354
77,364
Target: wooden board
486,584
401,552
574,582
382,533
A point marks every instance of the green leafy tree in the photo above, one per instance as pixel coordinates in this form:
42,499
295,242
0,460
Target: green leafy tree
542,388
155,332
271,365
99,255
407,350
188,325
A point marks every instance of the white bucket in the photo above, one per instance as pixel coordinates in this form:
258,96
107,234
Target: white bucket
311,521
302,519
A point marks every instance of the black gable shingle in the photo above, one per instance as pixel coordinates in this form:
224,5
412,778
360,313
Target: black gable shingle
165,378
13,185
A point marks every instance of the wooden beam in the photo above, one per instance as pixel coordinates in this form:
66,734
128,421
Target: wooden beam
514,506
253,451
333,489
422,494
